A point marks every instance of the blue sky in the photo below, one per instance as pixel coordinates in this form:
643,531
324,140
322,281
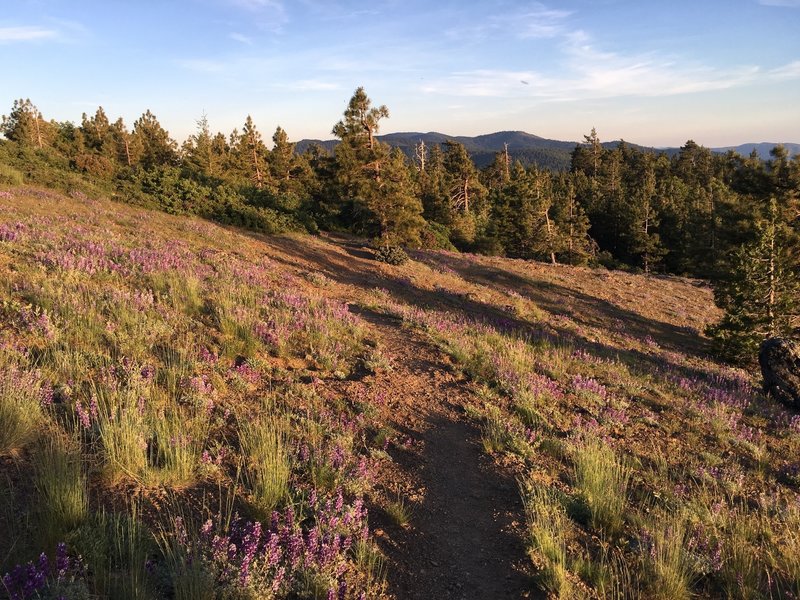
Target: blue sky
649,71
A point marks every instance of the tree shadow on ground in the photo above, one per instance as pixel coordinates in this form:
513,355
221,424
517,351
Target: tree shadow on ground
366,275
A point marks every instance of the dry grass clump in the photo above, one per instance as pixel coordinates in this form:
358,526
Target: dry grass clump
602,480
548,529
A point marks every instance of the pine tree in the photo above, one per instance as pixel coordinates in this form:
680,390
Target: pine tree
127,147
396,207
97,132
572,223
431,188
25,125
643,239
158,148
761,296
252,152
373,184
466,195
521,220
198,154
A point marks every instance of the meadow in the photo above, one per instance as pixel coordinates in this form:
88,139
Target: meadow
192,411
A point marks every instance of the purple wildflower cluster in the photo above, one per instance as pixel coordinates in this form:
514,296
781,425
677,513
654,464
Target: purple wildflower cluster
11,233
251,555
524,383
587,385
581,355
29,380
80,252
36,320
583,426
87,416
726,475
30,580
616,416
170,256
342,461
85,256
706,547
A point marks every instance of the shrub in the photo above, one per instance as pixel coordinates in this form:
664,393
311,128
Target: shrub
10,176
123,434
117,548
392,255
399,511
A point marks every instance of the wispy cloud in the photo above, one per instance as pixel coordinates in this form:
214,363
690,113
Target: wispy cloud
534,22
589,72
784,3
540,22
268,14
10,35
241,38
789,71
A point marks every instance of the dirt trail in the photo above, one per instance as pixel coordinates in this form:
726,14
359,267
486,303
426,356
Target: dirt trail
463,540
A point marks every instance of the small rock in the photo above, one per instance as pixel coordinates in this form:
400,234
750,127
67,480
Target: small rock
780,366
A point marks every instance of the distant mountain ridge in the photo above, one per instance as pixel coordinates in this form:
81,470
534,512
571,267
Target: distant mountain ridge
529,149
763,149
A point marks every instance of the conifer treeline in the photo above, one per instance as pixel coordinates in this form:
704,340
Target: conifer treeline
623,206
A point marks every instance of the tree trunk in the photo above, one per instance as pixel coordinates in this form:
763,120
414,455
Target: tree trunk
549,235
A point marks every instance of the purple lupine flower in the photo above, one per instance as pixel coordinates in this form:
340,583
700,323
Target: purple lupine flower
249,547
83,415
46,395
207,527
62,560
93,407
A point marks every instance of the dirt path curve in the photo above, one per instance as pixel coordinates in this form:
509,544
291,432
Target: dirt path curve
461,541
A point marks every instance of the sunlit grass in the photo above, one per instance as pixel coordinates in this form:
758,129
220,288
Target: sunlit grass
268,461
20,411
61,486
547,531
602,480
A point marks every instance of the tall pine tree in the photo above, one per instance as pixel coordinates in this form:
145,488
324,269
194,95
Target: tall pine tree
761,296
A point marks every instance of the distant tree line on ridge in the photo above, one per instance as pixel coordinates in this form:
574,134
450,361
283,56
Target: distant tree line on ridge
732,219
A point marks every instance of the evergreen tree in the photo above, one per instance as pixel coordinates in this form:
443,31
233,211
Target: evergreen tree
250,154
643,239
468,211
431,188
374,185
127,147
157,147
761,295
397,209
521,220
25,126
97,133
576,247
199,158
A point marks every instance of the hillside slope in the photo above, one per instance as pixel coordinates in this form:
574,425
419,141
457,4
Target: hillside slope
381,431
